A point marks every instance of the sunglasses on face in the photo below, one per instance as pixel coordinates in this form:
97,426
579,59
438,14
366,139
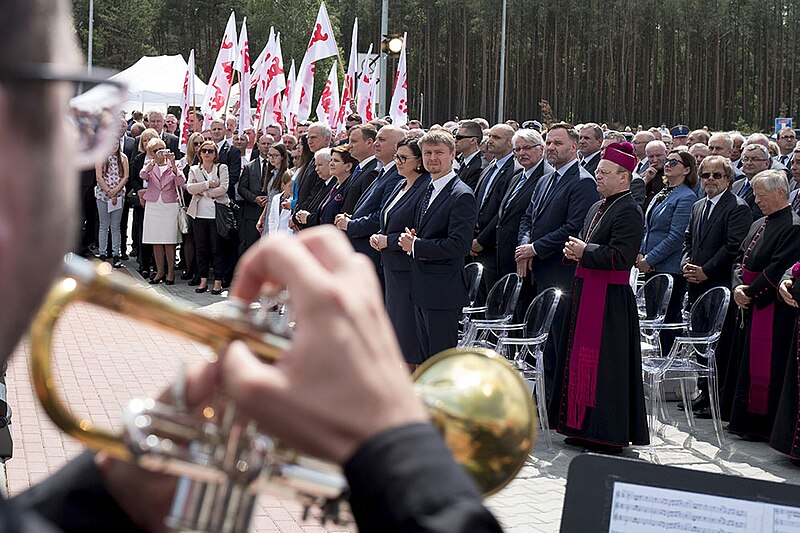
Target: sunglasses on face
461,137
712,175
207,151
672,162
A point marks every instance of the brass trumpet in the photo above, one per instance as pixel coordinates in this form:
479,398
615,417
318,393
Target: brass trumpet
478,401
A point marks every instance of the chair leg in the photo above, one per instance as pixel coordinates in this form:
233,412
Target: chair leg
687,405
541,404
653,414
713,400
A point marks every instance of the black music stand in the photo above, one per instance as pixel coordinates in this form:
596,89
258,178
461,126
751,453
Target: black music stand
592,479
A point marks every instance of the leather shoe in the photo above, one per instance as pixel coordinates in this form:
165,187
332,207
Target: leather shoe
194,283
701,402
703,414
169,281
201,289
186,275
156,281
216,291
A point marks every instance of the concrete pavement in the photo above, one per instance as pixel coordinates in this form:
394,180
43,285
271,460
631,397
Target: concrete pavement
103,360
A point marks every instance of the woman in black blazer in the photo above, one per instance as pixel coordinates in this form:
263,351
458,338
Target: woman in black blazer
396,216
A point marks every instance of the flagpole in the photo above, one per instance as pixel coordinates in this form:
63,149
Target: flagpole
227,98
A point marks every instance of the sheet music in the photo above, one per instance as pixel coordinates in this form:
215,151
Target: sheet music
643,509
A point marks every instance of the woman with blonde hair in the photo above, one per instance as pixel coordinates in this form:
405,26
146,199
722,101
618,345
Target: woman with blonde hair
187,253
161,208
140,160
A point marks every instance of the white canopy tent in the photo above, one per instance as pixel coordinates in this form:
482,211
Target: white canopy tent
153,83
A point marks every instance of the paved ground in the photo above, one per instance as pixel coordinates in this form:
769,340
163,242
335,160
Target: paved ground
104,360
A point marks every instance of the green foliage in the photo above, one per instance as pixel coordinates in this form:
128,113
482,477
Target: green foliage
700,62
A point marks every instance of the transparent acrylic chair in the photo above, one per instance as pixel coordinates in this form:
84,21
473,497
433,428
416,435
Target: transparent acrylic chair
526,353
652,300
498,311
700,339
474,274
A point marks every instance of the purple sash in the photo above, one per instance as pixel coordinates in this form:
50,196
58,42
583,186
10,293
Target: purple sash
760,352
585,354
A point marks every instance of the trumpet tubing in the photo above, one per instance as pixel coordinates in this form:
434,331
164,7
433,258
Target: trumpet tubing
478,401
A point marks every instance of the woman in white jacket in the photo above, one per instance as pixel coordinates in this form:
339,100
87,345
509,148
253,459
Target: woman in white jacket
280,212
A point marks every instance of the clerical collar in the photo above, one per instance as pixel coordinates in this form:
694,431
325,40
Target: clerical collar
613,197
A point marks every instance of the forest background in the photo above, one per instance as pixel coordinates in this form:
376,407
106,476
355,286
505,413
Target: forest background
711,63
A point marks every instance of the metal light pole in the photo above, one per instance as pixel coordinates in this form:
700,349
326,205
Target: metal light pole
91,37
384,86
502,87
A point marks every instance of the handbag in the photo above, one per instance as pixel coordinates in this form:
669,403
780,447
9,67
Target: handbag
227,227
183,218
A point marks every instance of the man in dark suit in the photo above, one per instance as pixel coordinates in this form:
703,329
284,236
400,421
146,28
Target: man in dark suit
445,218
590,140
365,219
362,139
231,156
468,137
492,187
155,120
755,158
318,136
717,226
647,184
557,210
252,190
529,152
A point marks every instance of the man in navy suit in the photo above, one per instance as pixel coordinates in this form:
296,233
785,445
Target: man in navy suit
590,141
255,198
231,156
529,152
365,219
445,219
362,140
491,190
558,206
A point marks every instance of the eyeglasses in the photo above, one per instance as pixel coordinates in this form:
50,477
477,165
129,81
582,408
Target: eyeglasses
94,108
460,137
784,137
198,143
672,162
711,175
207,151
519,149
403,159
754,159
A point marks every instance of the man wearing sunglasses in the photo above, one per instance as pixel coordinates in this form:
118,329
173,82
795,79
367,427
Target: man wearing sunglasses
468,137
717,226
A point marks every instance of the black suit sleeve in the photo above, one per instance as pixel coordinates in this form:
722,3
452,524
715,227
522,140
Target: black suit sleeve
583,195
638,190
405,480
459,233
234,167
75,499
688,239
244,184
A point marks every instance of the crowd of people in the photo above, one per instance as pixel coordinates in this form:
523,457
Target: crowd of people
532,200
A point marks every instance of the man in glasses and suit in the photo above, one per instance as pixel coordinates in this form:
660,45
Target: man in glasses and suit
470,159
717,226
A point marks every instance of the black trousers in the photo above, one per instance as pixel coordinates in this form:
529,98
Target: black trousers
207,246
437,330
674,309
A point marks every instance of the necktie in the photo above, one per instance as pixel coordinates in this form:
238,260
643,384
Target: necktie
704,216
520,185
550,186
263,174
784,159
489,178
425,201
745,189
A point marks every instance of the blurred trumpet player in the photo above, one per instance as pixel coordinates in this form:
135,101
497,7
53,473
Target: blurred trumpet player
356,409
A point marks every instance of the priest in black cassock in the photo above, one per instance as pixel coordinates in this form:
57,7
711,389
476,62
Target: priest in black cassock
598,401
762,342
786,430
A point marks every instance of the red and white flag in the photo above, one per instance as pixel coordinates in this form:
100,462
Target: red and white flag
260,76
242,65
221,79
290,119
321,45
328,105
187,101
365,106
276,83
398,109
349,83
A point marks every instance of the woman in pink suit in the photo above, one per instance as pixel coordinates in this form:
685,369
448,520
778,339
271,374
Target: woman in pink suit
161,208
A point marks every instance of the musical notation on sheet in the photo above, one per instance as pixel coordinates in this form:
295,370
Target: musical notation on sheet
643,509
